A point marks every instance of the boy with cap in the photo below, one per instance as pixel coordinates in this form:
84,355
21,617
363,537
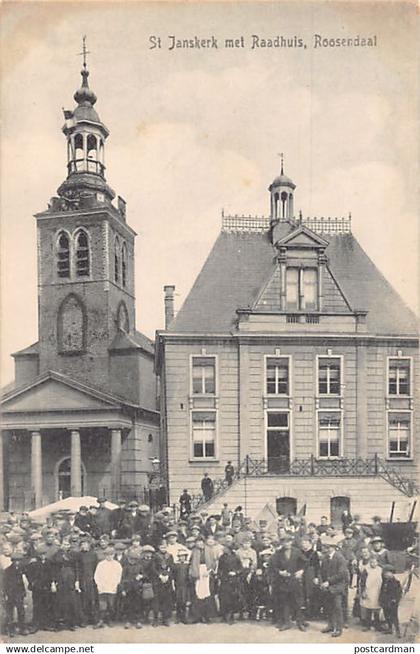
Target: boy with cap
163,566
107,577
131,588
389,599
182,589
14,594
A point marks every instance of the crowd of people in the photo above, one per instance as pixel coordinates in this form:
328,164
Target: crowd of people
100,566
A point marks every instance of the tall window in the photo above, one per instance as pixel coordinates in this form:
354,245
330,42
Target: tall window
277,376
204,434
203,375
302,288
82,254
71,325
329,376
399,430
63,255
117,261
329,434
399,377
124,265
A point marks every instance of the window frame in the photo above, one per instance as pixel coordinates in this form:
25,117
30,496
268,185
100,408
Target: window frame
116,261
332,356
410,368
409,413
301,305
340,413
124,265
76,233
216,375
197,459
58,234
290,430
290,379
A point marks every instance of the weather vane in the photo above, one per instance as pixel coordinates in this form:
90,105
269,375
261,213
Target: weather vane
280,154
84,52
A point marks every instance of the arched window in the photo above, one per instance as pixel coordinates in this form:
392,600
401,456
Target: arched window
92,153
283,204
122,318
82,254
78,152
117,261
124,265
150,438
63,255
71,325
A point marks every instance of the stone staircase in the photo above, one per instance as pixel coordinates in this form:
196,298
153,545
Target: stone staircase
373,489
369,496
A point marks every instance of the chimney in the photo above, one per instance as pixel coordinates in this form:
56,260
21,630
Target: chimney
169,304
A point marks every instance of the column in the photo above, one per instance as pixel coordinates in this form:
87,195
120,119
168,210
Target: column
115,463
76,464
36,467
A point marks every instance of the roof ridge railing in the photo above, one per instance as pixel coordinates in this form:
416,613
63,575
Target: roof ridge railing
320,225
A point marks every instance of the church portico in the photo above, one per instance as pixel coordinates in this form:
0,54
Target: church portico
45,465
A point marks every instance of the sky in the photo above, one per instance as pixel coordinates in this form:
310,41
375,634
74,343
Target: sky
193,132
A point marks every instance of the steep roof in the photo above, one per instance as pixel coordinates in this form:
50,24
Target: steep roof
135,341
240,263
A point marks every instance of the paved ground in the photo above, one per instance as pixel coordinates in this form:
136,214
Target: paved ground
240,632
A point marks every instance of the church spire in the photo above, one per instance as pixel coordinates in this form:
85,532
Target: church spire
86,135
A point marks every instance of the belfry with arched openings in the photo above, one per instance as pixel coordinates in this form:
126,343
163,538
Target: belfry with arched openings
78,417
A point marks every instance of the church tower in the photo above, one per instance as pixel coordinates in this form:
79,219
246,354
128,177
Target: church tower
85,257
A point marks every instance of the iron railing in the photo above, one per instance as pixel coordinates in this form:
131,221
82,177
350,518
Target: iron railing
313,467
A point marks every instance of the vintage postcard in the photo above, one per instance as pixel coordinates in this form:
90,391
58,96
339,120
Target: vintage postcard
209,276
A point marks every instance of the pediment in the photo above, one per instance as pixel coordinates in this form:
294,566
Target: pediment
53,394
302,237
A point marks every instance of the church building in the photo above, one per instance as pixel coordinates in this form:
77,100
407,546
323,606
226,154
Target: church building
296,360
81,416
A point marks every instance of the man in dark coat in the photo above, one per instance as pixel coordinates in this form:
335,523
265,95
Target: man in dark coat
311,571
334,581
102,518
14,593
84,520
88,560
229,574
117,517
185,504
207,487
229,473
66,575
389,598
286,568
40,575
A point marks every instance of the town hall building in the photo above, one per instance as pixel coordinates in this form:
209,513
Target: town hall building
81,416
294,358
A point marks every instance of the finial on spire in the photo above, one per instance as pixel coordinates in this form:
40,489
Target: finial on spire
282,161
84,52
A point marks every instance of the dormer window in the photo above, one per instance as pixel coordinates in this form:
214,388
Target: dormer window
302,289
